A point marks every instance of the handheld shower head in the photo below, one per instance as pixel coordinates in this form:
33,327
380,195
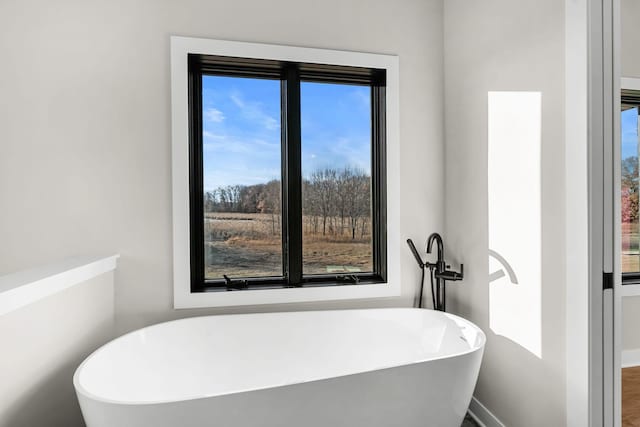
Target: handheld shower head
415,253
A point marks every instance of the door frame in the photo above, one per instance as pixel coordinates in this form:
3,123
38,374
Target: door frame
592,213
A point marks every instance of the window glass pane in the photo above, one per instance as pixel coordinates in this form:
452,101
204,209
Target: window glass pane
241,174
336,173
630,231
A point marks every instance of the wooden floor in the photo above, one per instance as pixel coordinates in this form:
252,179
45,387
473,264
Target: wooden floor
631,397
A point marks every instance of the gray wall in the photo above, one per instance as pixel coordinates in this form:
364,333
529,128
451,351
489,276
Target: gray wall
85,125
631,323
630,53
43,344
630,38
500,45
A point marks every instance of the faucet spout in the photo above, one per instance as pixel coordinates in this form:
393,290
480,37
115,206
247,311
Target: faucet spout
438,239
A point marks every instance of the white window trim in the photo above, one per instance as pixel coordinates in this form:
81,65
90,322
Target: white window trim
182,296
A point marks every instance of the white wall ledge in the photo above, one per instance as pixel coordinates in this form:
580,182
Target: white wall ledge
28,286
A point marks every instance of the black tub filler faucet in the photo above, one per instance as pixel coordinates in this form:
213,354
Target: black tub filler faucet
439,272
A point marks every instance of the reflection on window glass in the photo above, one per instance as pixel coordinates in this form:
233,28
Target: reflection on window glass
241,174
630,231
336,171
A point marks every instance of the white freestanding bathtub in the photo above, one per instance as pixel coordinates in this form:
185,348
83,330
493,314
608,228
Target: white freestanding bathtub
346,368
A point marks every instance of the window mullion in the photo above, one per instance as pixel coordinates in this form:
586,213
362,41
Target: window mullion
292,174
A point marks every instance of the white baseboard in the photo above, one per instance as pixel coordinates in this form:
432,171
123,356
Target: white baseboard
631,358
482,415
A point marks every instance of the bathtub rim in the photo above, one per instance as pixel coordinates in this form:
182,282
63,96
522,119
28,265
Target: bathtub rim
82,391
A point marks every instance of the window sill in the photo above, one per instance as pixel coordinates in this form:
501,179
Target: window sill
284,295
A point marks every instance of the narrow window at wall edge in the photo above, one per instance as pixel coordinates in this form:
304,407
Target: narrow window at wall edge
630,227
250,206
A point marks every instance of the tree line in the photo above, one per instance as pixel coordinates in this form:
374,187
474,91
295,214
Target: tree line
630,189
334,201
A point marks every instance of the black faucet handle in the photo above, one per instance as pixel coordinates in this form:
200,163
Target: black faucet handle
451,275
460,275
235,284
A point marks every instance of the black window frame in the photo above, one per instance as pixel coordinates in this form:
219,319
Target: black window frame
290,74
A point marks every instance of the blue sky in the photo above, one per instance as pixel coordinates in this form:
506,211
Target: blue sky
241,129
629,133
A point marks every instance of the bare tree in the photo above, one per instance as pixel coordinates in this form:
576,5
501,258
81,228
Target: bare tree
209,201
271,202
342,190
358,204
337,200
323,182
311,204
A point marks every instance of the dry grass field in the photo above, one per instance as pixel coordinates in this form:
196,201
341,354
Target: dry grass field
243,245
630,247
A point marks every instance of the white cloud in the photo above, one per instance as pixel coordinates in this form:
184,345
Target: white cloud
213,115
253,111
211,135
351,152
231,161
224,144
362,97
